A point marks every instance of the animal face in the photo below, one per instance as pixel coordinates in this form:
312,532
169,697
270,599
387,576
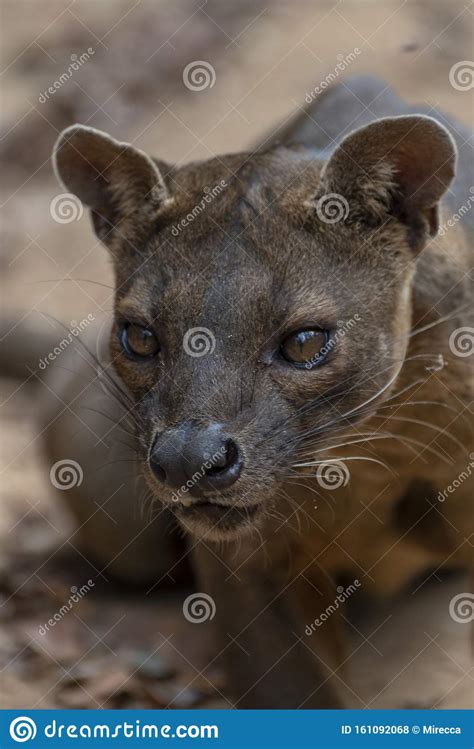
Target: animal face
262,301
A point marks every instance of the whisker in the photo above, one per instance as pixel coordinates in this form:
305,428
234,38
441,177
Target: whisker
79,280
403,440
441,320
337,460
428,424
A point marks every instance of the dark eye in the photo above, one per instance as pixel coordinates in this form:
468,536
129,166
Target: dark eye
305,348
137,341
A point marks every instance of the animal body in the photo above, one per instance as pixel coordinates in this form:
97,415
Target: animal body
285,375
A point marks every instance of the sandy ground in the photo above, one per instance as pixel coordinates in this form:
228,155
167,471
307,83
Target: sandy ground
266,57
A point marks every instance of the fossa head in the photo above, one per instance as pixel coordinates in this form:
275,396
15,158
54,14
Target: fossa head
263,300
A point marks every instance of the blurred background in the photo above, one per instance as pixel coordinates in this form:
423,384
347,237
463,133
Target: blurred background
130,67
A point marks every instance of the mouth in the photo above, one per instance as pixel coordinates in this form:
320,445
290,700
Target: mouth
216,519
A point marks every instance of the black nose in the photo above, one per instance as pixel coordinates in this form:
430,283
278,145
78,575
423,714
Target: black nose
202,459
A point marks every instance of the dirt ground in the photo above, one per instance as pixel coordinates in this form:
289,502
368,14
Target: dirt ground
122,648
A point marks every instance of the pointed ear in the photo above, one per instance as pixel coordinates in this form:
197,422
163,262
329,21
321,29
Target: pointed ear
121,184
399,166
